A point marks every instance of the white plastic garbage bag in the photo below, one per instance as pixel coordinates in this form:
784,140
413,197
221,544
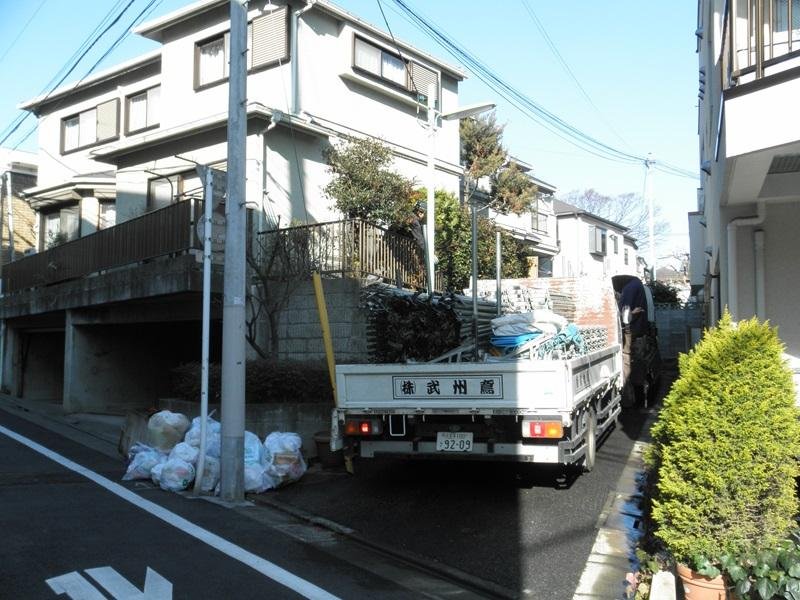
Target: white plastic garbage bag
257,479
142,460
253,450
166,428
185,452
176,475
213,445
155,472
210,476
283,458
193,435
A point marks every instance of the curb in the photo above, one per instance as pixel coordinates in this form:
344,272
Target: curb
493,590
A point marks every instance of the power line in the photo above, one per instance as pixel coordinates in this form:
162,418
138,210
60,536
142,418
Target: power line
23,29
126,32
526,105
71,69
567,68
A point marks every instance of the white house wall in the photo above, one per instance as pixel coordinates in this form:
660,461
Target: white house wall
332,95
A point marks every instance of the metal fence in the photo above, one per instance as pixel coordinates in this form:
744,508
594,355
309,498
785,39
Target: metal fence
165,231
352,247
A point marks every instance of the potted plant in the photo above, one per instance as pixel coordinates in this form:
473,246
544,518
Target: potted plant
724,455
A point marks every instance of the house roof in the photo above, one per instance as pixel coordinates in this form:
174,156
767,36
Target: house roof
154,29
140,61
527,168
103,185
563,209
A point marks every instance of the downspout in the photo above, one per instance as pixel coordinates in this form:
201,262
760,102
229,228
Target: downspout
733,289
761,308
10,208
276,118
294,34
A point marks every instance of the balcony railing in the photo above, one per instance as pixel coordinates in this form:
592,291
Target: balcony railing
351,247
758,34
161,232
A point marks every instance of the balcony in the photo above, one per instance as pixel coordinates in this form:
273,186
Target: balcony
342,248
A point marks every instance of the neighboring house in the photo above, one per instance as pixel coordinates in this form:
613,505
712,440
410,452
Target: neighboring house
744,232
18,226
108,314
592,246
536,228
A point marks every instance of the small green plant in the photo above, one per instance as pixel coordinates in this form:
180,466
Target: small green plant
725,450
663,292
763,575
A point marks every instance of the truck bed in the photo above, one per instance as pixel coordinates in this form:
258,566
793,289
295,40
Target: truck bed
500,387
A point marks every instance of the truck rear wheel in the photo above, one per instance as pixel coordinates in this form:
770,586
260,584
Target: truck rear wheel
590,441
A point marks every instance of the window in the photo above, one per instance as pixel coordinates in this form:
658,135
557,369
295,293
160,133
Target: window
92,126
780,15
597,240
626,256
615,243
163,191
107,216
267,44
143,110
61,226
380,63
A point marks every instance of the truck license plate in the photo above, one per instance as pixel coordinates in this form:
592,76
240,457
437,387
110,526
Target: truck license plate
460,441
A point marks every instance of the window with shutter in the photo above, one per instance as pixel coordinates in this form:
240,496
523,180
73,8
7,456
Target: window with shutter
269,40
107,120
89,127
384,65
420,80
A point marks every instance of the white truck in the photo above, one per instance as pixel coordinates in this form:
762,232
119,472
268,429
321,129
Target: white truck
517,408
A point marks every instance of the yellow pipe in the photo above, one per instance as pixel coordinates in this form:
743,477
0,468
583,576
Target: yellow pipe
326,333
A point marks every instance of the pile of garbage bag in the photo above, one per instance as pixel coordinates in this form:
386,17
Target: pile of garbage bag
170,459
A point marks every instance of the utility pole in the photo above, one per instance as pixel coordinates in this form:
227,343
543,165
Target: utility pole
648,194
430,211
233,311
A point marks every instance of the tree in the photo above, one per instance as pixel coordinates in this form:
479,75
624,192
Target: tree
454,245
362,184
484,157
627,209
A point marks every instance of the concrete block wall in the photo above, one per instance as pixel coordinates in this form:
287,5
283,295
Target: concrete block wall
675,328
300,332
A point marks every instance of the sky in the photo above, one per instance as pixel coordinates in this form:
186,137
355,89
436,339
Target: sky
634,62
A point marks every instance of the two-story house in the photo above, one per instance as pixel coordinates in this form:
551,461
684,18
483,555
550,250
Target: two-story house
592,246
537,228
111,301
744,231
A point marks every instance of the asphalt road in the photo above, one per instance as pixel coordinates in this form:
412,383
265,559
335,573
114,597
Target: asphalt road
59,526
527,529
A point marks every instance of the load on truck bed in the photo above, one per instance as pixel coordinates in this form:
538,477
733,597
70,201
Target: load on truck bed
546,390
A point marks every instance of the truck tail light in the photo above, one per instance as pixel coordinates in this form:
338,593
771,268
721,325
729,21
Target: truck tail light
542,429
363,427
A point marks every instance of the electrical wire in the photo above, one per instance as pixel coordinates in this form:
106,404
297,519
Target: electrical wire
70,69
526,105
149,8
23,29
554,49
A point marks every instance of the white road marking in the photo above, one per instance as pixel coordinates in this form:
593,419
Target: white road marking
155,586
263,566
75,586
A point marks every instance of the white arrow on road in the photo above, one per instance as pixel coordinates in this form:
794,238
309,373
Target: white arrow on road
77,587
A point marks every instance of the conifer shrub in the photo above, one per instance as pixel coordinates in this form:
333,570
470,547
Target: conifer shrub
725,448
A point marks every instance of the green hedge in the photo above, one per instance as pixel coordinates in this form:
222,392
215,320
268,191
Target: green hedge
266,381
726,446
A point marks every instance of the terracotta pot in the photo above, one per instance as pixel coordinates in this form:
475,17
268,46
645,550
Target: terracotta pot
700,587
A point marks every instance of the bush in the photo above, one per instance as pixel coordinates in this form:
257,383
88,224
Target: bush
725,448
266,382
663,292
